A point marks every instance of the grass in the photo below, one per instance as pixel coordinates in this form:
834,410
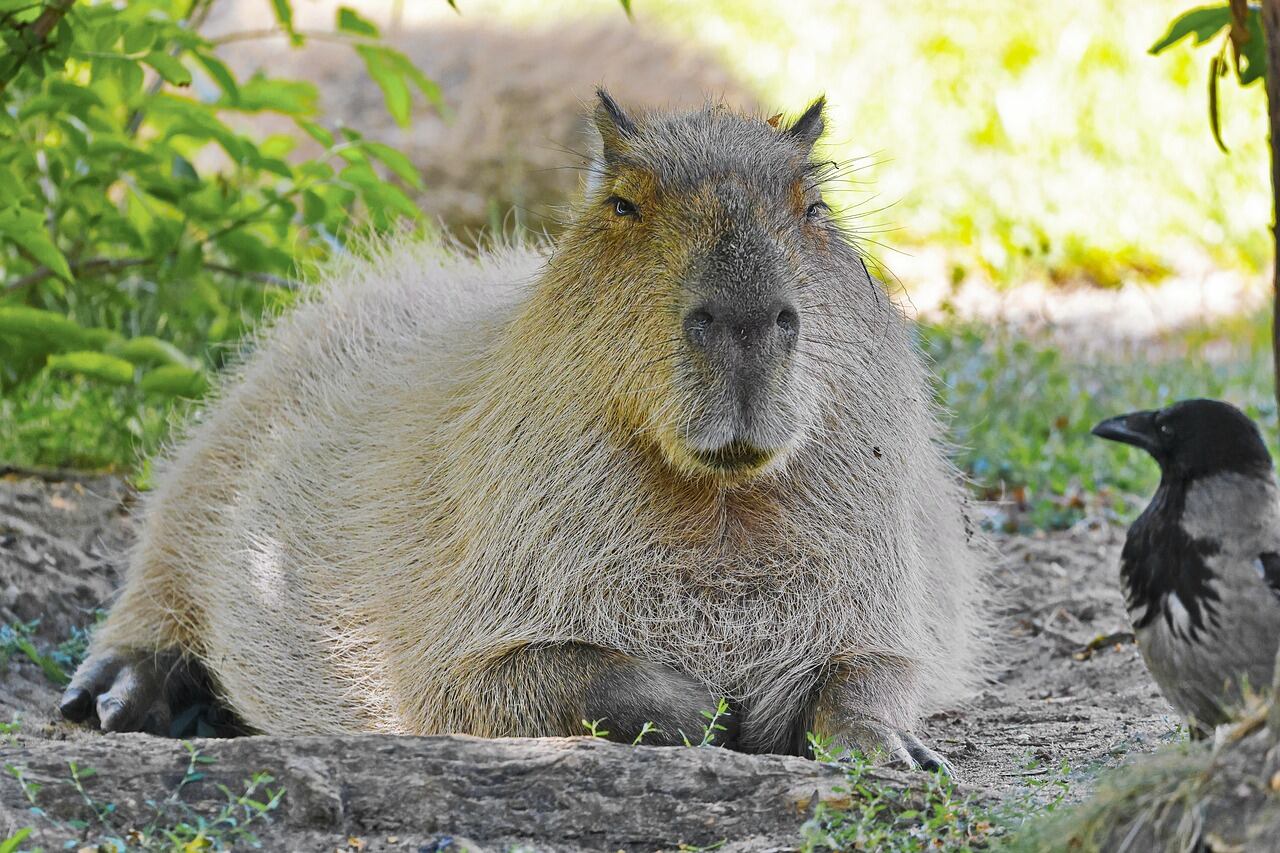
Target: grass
1022,411
1166,784
882,817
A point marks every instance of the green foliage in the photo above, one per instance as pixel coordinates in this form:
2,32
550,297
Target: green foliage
56,421
875,815
882,817
1022,411
56,664
144,231
1244,38
19,638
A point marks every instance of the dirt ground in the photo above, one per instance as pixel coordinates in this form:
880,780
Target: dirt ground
1067,682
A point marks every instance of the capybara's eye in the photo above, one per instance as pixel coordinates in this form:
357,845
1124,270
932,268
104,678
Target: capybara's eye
816,210
622,207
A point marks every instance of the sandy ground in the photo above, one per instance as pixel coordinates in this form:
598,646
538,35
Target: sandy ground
1056,695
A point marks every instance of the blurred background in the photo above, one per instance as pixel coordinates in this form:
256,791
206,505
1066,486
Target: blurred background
1041,192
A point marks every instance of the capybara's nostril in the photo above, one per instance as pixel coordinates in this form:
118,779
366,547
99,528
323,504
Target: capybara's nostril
789,324
697,326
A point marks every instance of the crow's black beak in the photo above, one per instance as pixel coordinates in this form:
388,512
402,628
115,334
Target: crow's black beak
1136,428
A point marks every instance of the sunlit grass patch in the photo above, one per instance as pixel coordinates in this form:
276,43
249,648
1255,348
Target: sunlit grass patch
1021,411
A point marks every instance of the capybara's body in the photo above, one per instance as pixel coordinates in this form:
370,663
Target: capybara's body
499,496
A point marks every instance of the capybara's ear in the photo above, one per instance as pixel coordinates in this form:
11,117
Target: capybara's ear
613,124
807,129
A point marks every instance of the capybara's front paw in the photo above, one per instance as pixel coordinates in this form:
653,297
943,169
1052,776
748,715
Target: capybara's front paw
122,692
882,743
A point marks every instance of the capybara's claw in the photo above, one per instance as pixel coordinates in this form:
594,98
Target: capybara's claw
924,757
76,704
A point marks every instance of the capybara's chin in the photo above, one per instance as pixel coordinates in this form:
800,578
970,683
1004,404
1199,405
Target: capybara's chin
733,463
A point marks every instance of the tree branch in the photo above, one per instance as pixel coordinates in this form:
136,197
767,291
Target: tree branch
38,34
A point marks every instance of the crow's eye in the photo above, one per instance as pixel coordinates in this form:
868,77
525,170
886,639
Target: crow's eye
816,210
622,207
1166,430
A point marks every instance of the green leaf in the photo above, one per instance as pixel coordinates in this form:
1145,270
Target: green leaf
626,6
148,350
169,67
1204,23
175,381
316,132
284,15
397,162
1253,55
26,228
389,79
378,194
95,365
221,74
1217,68
183,170
313,208
292,97
49,328
429,88
349,21
139,36
10,844
47,664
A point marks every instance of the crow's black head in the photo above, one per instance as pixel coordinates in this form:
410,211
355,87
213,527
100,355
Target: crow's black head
1193,438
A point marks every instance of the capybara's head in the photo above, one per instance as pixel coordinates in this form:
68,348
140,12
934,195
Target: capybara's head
709,285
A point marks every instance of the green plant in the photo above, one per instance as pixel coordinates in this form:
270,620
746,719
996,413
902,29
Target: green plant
20,638
594,729
9,731
174,825
1022,409
144,233
57,664
647,729
713,725
10,844
882,817
1244,39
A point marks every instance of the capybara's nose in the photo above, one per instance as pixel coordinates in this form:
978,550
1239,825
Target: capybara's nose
771,328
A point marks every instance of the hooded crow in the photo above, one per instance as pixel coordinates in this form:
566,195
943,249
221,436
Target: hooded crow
1201,565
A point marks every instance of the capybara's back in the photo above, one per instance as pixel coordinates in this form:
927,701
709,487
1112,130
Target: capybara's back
686,454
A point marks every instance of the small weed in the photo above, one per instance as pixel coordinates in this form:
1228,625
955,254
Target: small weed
647,729
886,818
57,664
713,725
593,728
20,637
9,731
227,828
